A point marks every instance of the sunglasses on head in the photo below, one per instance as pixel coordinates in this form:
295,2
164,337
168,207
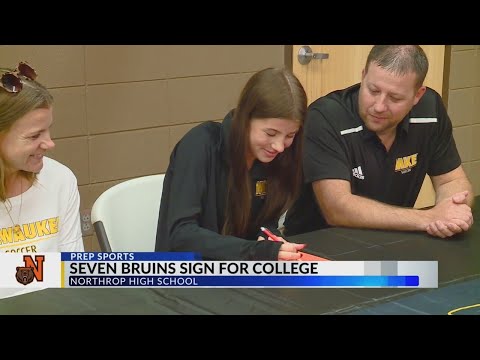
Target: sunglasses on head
11,81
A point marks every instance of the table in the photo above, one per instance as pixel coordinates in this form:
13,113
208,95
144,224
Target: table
458,267
459,283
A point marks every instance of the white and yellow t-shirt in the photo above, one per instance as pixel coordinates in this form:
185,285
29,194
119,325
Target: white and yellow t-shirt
47,214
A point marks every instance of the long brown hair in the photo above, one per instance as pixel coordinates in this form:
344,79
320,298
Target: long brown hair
270,93
14,106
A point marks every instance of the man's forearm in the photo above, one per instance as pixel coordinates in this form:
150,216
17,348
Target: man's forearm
453,187
356,211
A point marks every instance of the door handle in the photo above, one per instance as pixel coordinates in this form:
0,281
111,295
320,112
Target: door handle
306,54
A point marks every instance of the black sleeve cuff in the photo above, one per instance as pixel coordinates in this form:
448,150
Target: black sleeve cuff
266,250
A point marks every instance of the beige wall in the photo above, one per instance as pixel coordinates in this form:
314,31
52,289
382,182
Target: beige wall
119,110
464,107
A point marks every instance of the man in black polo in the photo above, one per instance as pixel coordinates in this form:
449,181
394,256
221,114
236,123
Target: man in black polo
368,148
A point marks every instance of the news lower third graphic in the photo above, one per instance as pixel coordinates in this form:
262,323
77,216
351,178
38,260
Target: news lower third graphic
177,270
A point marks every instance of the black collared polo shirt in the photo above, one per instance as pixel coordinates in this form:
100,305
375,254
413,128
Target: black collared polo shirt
339,146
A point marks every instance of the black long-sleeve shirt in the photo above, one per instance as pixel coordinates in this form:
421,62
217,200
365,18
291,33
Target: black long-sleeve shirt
192,209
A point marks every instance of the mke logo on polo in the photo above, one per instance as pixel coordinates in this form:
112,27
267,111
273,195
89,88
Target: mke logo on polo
406,163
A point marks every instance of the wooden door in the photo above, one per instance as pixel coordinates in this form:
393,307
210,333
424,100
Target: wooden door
343,68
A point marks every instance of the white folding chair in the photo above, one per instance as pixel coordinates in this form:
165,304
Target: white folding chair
125,216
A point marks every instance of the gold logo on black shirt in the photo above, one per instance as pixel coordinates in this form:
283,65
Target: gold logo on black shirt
406,163
261,188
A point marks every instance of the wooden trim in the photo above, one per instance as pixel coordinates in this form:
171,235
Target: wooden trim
446,74
288,57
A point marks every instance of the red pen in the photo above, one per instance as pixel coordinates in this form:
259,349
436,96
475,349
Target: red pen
270,234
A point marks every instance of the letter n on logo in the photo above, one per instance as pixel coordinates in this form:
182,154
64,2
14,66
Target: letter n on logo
37,265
